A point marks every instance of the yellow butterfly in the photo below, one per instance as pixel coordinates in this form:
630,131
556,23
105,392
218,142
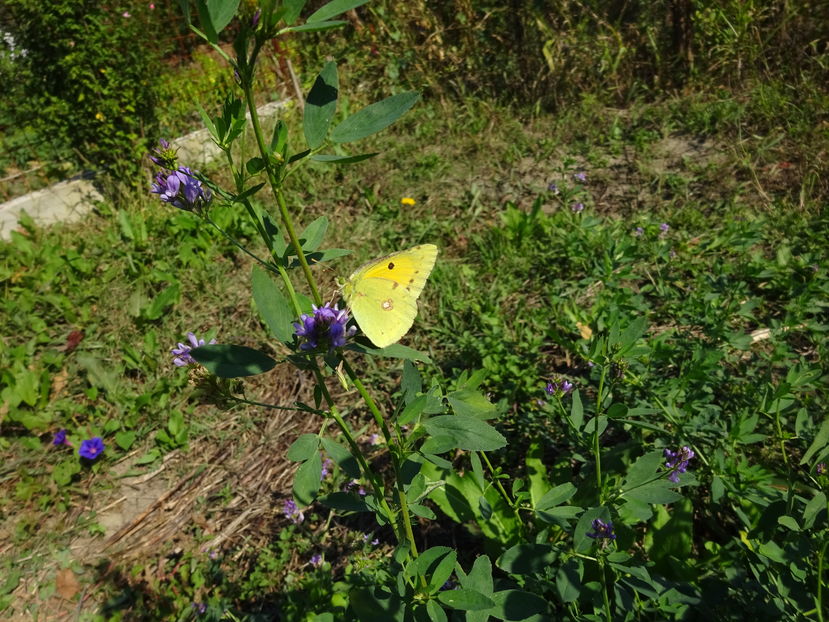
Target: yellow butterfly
382,294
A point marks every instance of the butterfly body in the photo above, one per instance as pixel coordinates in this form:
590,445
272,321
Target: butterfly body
382,294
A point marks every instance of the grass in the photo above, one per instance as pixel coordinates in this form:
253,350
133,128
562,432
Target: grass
734,360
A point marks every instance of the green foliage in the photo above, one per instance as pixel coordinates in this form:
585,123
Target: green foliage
87,79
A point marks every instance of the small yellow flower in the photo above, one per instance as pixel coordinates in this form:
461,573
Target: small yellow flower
407,201
99,116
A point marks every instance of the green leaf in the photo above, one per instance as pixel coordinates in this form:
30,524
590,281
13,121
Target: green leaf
821,439
254,165
643,470
64,471
654,492
292,10
471,402
435,612
125,438
272,305
320,105
568,580
313,235
374,118
560,515
215,15
304,447
427,561
230,361
342,457
443,571
314,27
345,502
332,9
517,605
810,512
394,351
336,159
469,433
537,472
98,374
527,558
465,600
376,605
577,411
168,296
307,480
556,496
412,411
411,384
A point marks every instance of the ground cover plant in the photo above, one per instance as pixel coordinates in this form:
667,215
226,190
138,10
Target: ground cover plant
653,355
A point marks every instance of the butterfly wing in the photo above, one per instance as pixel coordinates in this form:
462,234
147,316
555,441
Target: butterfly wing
383,293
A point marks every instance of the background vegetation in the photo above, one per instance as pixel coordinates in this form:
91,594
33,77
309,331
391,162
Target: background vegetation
709,117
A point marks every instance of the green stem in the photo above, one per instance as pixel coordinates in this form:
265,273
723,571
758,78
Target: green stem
395,458
780,434
597,456
819,596
238,245
280,197
376,483
605,596
501,489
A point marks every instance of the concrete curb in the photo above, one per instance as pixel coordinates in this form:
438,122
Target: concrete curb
68,201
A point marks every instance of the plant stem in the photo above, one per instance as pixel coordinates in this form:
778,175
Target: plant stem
605,596
597,456
395,458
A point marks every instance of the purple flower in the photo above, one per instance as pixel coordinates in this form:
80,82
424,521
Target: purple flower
326,326
639,231
126,14
60,439
559,387
374,542
820,469
316,560
164,155
677,461
664,228
602,529
291,511
374,439
326,464
577,207
580,176
91,448
182,352
254,22
199,608
181,189
552,187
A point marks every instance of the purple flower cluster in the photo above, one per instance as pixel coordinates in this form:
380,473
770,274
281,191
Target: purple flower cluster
374,542
164,156
181,189
602,529
182,355
820,469
316,560
292,512
91,448
577,207
326,466
677,461
553,187
325,326
581,176
559,388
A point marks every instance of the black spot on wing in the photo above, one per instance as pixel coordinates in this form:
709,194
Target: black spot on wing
391,265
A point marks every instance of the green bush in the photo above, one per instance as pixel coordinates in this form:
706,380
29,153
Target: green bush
87,77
